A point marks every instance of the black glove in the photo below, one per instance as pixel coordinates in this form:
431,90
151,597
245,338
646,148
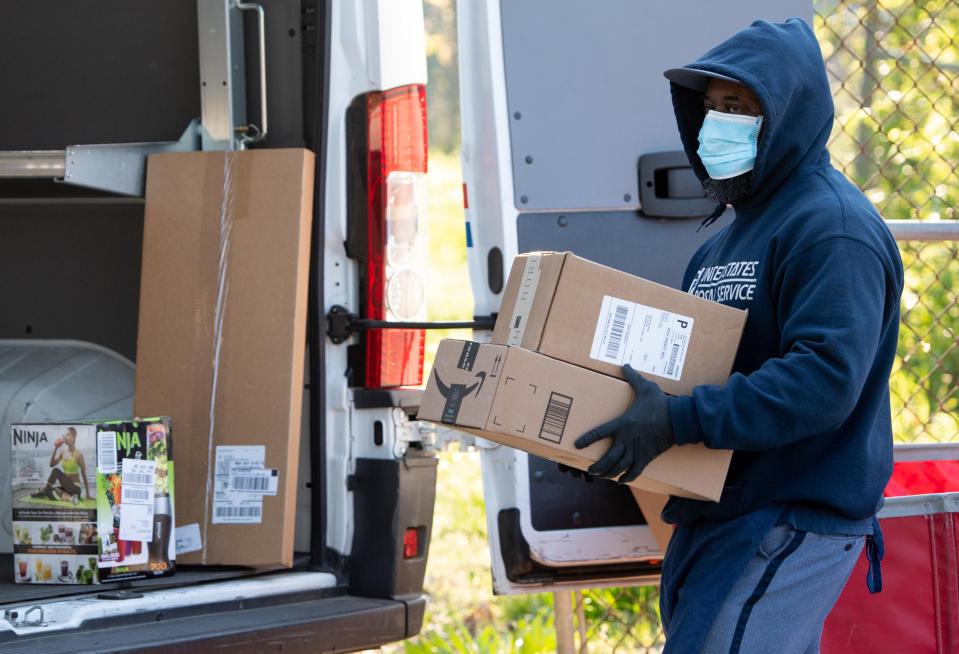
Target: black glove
640,435
575,472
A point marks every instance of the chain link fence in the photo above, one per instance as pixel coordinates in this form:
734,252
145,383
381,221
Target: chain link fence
894,70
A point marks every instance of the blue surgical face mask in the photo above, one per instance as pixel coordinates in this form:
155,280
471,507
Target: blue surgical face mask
728,143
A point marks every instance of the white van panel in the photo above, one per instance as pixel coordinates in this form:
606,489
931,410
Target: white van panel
586,93
385,38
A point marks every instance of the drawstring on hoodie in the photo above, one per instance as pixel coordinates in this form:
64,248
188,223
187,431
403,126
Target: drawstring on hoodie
713,217
875,550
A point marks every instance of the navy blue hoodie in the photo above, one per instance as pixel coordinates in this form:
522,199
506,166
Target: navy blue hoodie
806,409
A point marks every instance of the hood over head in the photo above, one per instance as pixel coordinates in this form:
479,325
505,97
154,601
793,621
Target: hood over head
782,64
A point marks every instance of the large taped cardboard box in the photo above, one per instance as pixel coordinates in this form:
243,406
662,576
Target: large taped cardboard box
221,340
599,318
540,405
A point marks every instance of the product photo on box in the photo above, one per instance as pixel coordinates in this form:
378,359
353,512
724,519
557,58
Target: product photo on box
135,499
53,482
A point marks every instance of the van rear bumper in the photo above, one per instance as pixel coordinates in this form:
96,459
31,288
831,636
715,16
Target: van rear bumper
328,620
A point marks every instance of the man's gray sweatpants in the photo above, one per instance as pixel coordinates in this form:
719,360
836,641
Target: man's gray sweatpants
782,599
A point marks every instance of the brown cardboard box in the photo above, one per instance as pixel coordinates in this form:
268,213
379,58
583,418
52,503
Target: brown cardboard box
651,504
538,404
222,332
599,318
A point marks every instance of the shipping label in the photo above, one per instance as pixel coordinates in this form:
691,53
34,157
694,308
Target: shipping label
240,482
188,538
651,340
136,503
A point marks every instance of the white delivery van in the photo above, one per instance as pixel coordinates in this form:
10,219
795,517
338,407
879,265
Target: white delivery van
97,87
569,143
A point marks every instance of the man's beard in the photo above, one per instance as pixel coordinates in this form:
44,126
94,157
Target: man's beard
727,191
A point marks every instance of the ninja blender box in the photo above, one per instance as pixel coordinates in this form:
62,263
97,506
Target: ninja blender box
53,484
135,499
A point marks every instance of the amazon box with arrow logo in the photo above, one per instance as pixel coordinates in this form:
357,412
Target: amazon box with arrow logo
523,399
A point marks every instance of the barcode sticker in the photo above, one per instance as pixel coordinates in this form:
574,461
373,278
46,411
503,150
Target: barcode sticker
106,452
136,503
557,413
137,478
253,480
238,512
239,483
617,328
651,340
673,354
249,483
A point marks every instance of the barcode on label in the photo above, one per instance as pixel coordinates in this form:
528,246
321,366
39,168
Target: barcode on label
135,494
672,360
251,483
238,511
106,452
617,327
554,422
137,479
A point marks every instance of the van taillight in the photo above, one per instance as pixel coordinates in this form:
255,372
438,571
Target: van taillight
396,247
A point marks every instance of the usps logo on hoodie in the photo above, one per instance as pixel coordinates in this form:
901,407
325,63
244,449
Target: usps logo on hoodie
729,283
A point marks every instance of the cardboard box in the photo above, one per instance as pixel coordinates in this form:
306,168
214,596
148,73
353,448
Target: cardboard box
598,318
538,404
651,504
221,341
54,506
135,499
92,503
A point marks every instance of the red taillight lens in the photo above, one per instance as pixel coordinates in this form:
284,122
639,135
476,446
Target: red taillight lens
411,543
396,235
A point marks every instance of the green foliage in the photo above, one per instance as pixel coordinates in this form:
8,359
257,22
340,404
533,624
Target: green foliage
623,615
923,384
893,74
450,296
892,67
536,636
442,92
521,608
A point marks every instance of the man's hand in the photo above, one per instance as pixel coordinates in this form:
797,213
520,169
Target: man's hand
640,435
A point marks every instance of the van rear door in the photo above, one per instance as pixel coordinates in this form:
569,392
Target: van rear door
569,143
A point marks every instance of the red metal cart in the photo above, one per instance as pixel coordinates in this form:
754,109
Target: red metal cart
917,611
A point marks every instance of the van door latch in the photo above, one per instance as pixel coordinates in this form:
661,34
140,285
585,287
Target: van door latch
341,324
